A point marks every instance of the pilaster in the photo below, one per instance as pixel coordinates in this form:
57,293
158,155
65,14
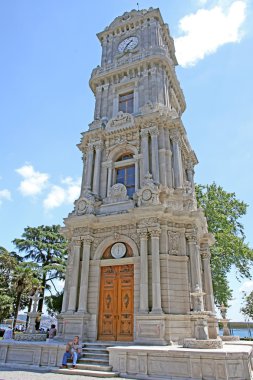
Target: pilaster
72,305
83,295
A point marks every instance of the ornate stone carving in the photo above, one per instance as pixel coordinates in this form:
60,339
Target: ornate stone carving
86,203
121,120
149,222
174,239
149,193
117,193
87,240
155,233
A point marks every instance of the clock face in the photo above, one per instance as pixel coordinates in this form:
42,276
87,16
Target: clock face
146,195
128,44
118,250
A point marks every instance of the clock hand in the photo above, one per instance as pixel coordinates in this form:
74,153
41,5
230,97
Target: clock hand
128,44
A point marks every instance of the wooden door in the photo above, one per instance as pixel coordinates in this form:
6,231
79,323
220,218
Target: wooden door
116,303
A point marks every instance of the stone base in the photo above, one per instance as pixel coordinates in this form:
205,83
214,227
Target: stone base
202,344
150,329
22,353
30,337
176,362
230,338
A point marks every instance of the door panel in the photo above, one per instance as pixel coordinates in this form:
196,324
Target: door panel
108,304
116,303
125,303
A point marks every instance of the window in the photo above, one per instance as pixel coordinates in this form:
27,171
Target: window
126,176
126,102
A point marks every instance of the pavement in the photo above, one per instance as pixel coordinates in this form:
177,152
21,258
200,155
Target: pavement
9,373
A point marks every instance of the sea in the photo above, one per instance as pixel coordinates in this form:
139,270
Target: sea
242,333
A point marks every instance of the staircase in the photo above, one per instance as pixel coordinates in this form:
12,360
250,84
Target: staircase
94,362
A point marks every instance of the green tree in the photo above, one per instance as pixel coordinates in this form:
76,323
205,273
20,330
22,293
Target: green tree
247,309
17,279
54,303
7,265
47,247
223,212
24,281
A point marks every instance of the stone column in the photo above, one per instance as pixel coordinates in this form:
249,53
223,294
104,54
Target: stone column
65,300
97,167
208,285
84,170
156,272
75,251
162,158
145,152
83,294
155,160
89,167
177,159
136,157
143,271
168,159
98,102
136,99
109,178
195,268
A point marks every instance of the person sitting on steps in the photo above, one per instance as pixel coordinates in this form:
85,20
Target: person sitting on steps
73,351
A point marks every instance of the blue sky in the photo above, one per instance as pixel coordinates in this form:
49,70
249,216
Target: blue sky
48,50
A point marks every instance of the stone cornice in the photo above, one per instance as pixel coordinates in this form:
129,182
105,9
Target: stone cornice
105,74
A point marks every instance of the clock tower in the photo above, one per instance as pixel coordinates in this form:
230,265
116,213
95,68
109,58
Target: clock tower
139,261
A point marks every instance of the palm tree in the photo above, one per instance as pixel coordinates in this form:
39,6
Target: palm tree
24,280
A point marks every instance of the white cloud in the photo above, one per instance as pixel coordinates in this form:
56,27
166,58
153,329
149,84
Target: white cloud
207,30
5,195
247,286
65,194
34,182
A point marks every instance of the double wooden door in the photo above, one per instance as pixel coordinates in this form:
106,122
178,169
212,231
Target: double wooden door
116,303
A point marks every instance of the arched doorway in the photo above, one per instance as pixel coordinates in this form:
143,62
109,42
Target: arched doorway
116,306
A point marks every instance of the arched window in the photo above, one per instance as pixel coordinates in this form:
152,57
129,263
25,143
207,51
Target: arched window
125,172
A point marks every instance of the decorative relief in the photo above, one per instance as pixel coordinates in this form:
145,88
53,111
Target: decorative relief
121,120
126,301
149,222
149,193
174,241
128,140
108,301
117,193
85,204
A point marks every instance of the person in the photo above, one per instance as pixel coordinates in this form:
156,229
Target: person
73,351
52,332
8,333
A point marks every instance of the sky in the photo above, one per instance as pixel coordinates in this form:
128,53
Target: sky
48,50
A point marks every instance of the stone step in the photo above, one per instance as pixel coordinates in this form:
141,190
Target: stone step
92,360
83,372
95,349
96,355
92,367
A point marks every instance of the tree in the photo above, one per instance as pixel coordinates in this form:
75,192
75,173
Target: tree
47,247
7,265
247,309
17,279
223,212
54,303
24,280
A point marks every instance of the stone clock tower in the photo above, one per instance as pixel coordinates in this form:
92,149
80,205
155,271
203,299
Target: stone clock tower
139,261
